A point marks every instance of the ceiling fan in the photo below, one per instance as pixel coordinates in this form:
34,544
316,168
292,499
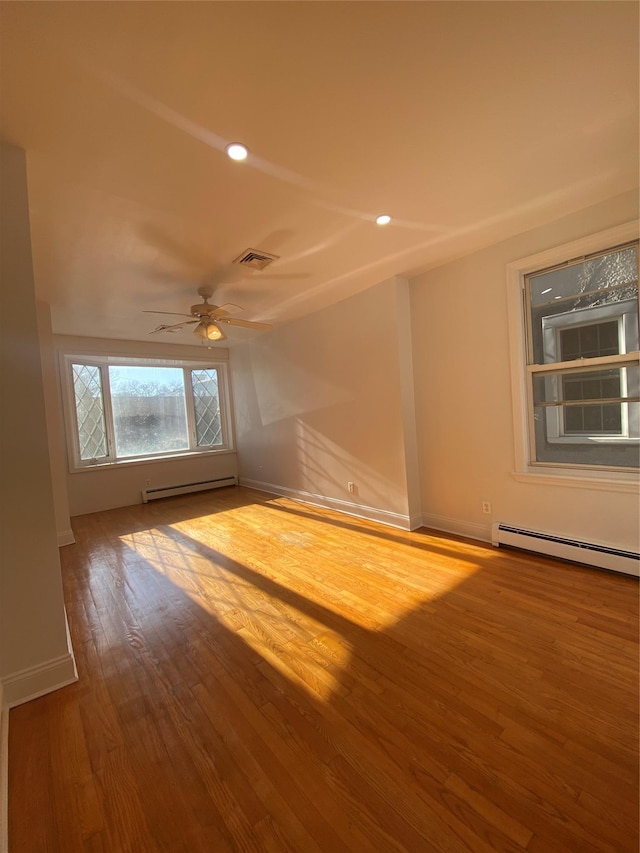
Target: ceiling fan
208,318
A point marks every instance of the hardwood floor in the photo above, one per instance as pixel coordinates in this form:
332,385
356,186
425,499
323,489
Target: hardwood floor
261,675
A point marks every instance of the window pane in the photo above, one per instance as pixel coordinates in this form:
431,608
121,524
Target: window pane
592,418
206,404
584,446
586,309
577,421
583,385
92,435
149,412
601,274
589,341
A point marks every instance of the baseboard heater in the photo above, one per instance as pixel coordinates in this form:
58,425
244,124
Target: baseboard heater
600,556
185,488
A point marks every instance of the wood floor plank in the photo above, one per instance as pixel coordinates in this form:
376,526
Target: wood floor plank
261,675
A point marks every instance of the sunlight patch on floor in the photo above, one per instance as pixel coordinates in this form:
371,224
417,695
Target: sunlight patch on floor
196,574
289,551
268,624
299,591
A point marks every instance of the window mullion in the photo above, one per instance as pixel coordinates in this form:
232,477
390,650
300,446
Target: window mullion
108,411
72,413
531,414
190,407
591,401
225,405
528,332
622,360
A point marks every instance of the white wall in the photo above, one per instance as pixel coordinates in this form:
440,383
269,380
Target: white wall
463,398
55,432
319,402
35,655
94,490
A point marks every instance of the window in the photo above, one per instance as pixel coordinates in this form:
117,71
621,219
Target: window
579,392
126,409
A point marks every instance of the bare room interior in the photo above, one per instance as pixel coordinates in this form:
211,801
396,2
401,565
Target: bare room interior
320,426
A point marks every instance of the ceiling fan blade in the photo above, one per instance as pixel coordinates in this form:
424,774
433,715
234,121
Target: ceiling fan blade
247,324
173,313
165,329
227,308
173,328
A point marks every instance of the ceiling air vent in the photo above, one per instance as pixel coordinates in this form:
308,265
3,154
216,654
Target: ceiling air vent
255,259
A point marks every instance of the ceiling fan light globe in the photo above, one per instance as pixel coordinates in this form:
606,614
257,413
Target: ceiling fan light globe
214,333
208,332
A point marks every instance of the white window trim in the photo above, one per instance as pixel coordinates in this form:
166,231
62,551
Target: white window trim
66,359
524,471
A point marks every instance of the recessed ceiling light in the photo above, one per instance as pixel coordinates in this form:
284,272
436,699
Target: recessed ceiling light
383,220
548,290
557,297
236,151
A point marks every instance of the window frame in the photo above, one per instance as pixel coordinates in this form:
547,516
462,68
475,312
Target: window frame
562,473
615,311
103,362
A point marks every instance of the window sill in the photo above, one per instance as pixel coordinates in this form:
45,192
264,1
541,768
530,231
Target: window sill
150,460
625,483
590,440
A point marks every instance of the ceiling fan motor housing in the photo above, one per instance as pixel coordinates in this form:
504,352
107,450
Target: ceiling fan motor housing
202,309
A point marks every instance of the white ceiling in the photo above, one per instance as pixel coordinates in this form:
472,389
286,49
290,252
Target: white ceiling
467,122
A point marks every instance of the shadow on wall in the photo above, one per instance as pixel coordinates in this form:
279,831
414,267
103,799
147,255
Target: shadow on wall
275,387
313,437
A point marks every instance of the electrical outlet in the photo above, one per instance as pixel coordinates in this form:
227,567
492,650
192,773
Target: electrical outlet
486,507
147,483
351,487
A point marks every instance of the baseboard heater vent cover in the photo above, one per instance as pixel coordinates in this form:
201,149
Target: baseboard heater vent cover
590,553
186,488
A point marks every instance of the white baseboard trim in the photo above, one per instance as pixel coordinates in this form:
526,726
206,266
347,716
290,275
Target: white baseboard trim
467,529
415,521
38,680
4,774
66,537
393,519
